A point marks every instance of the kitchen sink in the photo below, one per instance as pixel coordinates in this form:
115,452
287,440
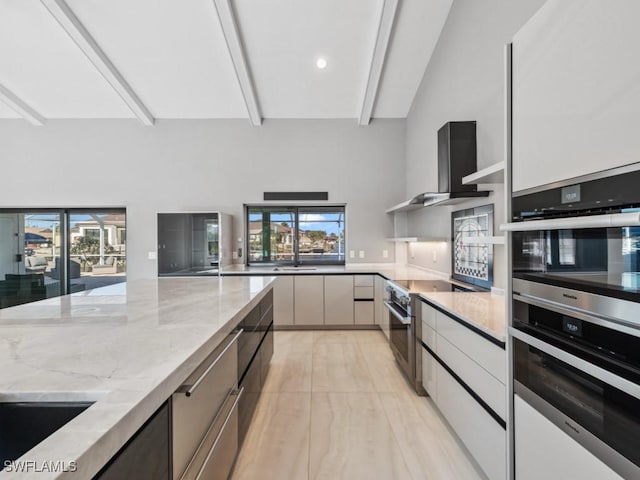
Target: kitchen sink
23,425
276,269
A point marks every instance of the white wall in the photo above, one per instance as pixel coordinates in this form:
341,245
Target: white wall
205,165
463,81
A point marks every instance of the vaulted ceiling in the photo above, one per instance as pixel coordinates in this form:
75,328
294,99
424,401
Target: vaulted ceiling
254,59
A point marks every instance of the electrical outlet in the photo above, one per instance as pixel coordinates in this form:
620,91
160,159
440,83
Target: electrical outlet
385,253
234,255
152,255
435,256
352,254
361,254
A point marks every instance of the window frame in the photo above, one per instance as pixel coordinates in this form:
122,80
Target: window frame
65,233
297,260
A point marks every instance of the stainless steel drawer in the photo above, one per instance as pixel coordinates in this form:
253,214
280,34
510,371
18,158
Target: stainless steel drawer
197,402
217,452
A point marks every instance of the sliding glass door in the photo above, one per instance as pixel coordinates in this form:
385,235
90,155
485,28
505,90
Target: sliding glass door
97,248
45,253
30,256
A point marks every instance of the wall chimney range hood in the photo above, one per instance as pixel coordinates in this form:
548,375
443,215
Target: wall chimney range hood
457,157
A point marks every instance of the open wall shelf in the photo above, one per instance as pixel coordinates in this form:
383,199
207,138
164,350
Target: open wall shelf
492,174
416,239
495,240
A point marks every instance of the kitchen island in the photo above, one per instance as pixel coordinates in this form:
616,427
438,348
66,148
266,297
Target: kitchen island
126,347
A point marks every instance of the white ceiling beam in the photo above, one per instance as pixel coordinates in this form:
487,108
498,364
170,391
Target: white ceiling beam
20,107
238,58
83,39
377,60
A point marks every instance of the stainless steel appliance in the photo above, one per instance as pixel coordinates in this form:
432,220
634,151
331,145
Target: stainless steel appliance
581,372
457,157
403,303
578,243
576,312
205,416
401,328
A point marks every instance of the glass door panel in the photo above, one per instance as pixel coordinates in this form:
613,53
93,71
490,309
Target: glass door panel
97,248
30,250
272,235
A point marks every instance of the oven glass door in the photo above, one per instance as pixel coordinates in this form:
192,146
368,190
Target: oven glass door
604,261
610,414
399,331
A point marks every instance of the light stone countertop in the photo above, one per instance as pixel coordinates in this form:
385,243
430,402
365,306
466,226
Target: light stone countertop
127,347
483,310
390,271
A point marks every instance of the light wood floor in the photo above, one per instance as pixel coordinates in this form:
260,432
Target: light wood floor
335,406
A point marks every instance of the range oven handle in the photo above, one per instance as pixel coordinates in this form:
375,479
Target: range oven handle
576,362
403,320
631,219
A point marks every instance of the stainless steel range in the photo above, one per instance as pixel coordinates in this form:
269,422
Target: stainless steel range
403,303
401,328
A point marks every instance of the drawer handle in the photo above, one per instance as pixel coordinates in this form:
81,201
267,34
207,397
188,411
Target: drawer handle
401,319
197,463
589,221
238,394
189,389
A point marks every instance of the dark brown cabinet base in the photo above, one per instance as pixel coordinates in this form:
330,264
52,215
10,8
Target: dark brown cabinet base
146,455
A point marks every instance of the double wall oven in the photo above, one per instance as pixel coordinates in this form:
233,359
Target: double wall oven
576,311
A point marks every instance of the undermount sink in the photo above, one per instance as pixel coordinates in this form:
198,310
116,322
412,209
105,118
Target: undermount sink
23,425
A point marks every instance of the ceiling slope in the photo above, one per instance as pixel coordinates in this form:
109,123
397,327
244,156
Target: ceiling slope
180,60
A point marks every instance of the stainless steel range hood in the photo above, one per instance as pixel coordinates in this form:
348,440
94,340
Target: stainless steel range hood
449,198
456,158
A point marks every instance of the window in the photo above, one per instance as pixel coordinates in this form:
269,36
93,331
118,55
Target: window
49,252
295,234
91,232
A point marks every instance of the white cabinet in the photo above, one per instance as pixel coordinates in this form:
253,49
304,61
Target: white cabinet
542,450
381,314
429,373
363,292
363,281
486,354
283,300
428,315
481,434
334,300
428,336
364,313
480,365
481,382
308,300
575,90
338,300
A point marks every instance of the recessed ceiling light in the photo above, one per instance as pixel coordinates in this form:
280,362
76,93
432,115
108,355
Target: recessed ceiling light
321,63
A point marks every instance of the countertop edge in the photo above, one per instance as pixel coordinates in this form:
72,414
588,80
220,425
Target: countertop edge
486,333
92,459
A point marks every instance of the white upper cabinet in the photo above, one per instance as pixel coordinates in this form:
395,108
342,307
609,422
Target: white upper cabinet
576,90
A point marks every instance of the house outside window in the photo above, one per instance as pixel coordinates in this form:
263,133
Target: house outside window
293,235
